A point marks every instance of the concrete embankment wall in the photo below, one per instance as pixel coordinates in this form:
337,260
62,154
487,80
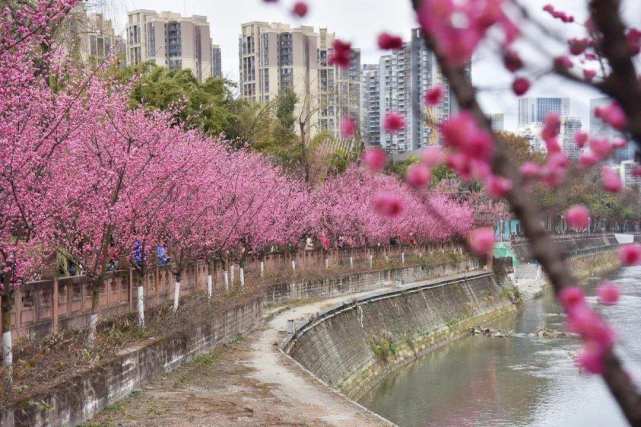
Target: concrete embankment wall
353,346
75,400
362,282
570,245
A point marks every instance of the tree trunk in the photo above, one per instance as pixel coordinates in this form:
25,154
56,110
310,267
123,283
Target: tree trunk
177,292
93,316
140,300
210,281
7,345
303,149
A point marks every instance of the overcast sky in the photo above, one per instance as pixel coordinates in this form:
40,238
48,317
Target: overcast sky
359,21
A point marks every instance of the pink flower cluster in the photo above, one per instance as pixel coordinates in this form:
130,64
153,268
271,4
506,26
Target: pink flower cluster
387,41
597,335
459,26
613,115
341,54
558,14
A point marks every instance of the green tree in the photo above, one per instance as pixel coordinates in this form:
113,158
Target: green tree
208,106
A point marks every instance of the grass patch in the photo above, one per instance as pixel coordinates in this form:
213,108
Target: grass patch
205,360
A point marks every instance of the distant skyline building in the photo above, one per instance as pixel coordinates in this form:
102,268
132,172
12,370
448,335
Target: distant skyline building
625,170
370,105
404,77
498,122
395,97
216,62
601,129
170,40
532,132
534,110
569,128
90,37
275,57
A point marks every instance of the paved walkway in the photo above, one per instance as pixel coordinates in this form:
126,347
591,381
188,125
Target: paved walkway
249,383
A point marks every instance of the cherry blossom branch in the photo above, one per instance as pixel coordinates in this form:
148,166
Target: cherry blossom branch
623,83
542,246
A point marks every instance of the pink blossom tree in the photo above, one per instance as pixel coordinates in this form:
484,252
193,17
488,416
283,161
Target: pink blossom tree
32,129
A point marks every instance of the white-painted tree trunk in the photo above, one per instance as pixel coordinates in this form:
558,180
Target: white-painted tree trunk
294,264
226,276
262,268
7,356
210,286
403,258
351,262
241,273
141,307
326,263
231,274
176,295
371,261
93,325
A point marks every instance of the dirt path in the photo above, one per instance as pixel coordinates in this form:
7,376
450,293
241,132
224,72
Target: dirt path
248,383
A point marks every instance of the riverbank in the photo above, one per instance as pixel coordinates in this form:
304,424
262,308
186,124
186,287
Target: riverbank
248,382
352,347
532,282
523,378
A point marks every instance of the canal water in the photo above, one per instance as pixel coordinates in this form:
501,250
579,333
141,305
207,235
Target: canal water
523,380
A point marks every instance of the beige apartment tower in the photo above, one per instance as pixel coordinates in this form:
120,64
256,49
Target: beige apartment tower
170,40
89,37
276,57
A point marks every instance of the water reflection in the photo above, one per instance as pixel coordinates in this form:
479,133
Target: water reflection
523,380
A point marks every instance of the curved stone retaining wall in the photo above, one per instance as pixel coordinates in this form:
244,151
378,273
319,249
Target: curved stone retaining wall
353,346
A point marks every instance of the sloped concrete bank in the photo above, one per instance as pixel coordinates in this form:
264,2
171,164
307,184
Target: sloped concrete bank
353,346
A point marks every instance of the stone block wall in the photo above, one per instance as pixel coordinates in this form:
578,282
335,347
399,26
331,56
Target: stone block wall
353,346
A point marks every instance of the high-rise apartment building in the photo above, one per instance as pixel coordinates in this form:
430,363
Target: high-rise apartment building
216,62
569,128
532,132
370,105
498,122
599,128
395,97
170,40
89,37
534,110
625,170
276,57
404,76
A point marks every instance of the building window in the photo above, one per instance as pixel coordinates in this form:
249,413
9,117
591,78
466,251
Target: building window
151,40
264,48
285,54
265,79
173,39
286,80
